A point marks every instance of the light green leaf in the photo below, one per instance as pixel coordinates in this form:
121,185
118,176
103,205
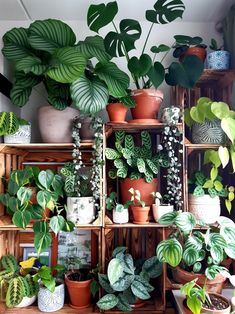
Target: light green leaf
228,126
115,270
57,223
220,109
224,155
107,302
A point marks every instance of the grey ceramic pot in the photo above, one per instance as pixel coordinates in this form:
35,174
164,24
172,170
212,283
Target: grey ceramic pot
51,301
22,136
209,132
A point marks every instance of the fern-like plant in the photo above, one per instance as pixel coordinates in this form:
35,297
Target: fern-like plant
134,162
9,123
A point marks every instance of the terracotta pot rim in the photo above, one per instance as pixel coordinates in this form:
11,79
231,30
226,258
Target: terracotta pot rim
154,92
73,282
145,208
116,103
141,179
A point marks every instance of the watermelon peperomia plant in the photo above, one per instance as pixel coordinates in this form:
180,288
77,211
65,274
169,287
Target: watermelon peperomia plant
126,280
197,251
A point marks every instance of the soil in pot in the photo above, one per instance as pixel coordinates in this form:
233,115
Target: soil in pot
117,112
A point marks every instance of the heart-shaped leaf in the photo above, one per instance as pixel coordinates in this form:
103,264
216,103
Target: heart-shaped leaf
140,67
160,48
228,126
223,155
156,74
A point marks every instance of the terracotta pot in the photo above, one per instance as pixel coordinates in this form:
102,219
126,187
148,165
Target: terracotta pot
196,51
148,103
56,125
140,214
86,131
138,303
117,112
79,293
144,187
183,276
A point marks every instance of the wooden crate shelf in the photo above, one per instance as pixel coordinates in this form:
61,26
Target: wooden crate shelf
132,225
135,128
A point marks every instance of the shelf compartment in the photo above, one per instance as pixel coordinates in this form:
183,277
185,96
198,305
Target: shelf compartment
132,225
131,127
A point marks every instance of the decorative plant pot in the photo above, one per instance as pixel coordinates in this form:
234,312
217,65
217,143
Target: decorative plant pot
196,51
144,187
159,211
148,103
138,303
233,303
170,115
79,292
218,60
182,276
80,210
204,208
121,217
51,301
56,125
140,214
117,112
27,301
86,131
22,136
209,132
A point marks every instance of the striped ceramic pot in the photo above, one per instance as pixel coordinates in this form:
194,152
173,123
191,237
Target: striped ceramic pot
209,132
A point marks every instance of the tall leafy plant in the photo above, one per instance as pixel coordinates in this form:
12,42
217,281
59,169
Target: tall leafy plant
144,69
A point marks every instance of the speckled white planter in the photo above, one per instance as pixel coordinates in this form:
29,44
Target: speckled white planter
80,210
121,217
204,208
160,210
219,60
22,136
51,301
27,301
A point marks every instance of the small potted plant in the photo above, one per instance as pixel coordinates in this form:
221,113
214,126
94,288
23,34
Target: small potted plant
159,208
117,108
199,301
127,281
51,288
14,129
16,289
120,212
218,59
139,209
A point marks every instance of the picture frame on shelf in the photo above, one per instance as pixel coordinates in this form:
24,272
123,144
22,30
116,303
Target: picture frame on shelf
29,251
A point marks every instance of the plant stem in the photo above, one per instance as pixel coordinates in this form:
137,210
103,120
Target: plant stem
151,27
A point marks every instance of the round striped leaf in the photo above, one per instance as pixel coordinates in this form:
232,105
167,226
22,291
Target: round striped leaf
27,80
16,44
152,166
216,239
116,80
230,250
57,102
111,154
68,65
139,290
107,302
170,251
228,232
90,96
48,35
193,242
123,282
197,267
20,95
168,219
217,253
185,221
190,256
31,64
225,221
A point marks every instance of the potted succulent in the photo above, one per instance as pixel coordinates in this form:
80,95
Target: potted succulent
16,289
51,289
199,301
120,212
127,282
139,209
197,253
144,70
218,59
187,45
117,108
137,166
159,208
14,129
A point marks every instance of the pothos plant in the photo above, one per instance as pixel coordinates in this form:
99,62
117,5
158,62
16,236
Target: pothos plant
197,251
134,162
126,280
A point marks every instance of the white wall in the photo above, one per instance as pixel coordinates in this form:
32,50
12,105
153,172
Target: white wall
161,34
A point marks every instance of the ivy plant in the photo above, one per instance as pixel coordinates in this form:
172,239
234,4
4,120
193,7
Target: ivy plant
134,162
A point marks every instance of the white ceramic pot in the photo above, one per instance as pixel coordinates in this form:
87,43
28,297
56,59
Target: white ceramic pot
233,303
121,217
160,210
51,301
56,125
205,208
80,210
27,301
22,136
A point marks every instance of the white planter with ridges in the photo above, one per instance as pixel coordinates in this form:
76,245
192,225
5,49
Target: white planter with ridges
121,217
22,136
80,210
51,301
204,208
26,301
160,210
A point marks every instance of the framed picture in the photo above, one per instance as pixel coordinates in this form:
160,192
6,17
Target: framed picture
74,249
44,257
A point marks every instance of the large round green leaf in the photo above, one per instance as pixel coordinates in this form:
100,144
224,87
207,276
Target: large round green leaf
68,65
116,80
48,35
16,44
140,67
228,126
107,302
31,64
190,256
139,290
168,219
185,221
220,109
20,95
21,218
90,96
165,11
115,270
170,251
156,74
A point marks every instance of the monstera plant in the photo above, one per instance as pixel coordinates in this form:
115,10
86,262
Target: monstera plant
47,51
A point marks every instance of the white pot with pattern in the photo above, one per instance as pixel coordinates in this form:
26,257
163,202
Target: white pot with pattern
80,210
51,301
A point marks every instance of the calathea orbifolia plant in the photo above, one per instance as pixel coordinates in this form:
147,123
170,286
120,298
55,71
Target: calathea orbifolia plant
135,162
196,250
125,281
13,285
144,69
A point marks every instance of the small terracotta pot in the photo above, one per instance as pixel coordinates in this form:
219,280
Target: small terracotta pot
79,293
196,51
144,187
117,112
214,286
148,103
140,214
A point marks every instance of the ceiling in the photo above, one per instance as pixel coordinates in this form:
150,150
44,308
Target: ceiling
196,10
